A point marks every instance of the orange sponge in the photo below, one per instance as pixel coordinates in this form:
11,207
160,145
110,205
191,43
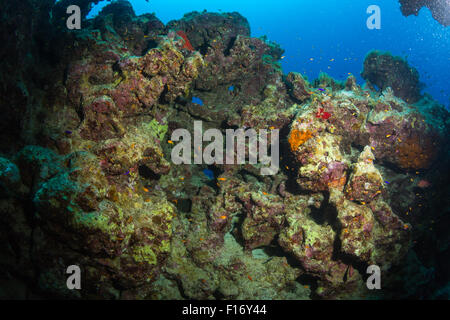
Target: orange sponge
297,138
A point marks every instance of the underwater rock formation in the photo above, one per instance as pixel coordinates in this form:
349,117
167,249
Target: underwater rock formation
86,176
298,87
440,9
204,29
384,70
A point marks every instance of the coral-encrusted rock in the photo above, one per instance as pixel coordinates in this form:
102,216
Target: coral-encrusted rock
140,147
298,87
357,224
108,104
351,85
440,9
118,20
264,218
225,206
311,243
313,246
270,113
384,70
249,63
323,164
365,236
365,182
171,68
101,120
130,236
204,28
402,135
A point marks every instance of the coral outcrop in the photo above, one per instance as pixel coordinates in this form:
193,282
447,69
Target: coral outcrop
440,9
384,70
86,176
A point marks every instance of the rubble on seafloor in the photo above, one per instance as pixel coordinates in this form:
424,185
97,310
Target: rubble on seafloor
86,176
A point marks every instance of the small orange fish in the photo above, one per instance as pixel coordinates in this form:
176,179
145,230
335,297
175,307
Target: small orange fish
201,239
424,184
147,200
223,217
222,179
250,278
145,189
170,141
265,193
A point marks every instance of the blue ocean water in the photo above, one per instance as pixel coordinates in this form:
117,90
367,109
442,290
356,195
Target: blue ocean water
331,36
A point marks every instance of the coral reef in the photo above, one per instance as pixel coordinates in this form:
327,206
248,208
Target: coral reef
86,176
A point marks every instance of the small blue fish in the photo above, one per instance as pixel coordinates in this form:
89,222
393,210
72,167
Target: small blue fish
321,89
387,182
209,174
197,100
231,88
68,132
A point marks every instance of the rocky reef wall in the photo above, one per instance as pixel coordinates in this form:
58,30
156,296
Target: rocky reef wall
86,176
